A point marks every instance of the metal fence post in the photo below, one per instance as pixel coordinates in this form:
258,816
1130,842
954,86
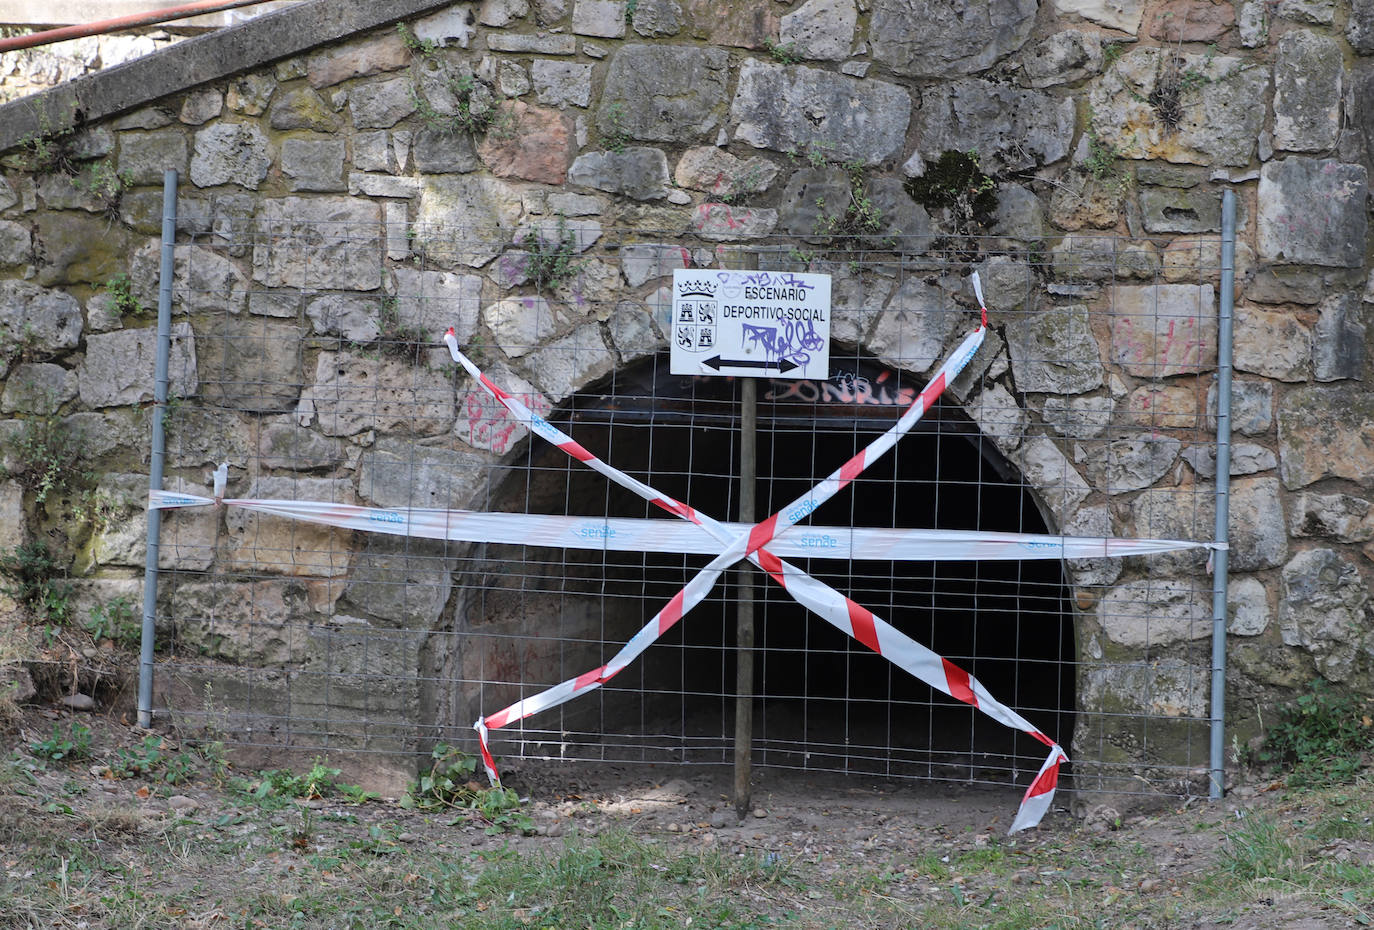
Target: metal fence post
159,446
1223,494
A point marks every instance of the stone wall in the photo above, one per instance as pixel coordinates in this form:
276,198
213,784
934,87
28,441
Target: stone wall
658,132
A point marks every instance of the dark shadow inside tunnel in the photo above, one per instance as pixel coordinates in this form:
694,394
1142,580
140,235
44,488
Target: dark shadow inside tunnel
823,701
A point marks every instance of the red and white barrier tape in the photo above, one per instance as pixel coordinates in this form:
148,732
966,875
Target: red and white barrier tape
832,606
637,534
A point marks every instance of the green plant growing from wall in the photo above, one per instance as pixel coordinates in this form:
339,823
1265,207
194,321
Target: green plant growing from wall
37,581
44,456
117,620
956,182
475,109
551,261
106,186
120,287
49,151
785,52
398,339
614,137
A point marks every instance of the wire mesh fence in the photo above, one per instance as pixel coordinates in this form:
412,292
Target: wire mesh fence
307,356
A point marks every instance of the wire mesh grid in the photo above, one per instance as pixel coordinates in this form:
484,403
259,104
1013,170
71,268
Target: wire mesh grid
307,356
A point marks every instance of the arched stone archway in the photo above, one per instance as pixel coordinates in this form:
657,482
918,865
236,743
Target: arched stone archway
535,617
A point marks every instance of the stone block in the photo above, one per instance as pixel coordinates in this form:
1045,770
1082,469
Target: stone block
1359,29
1065,57
268,544
721,175
603,19
1185,512
282,444
1011,129
822,30
1054,351
519,324
1312,212
1252,407
1156,612
1211,118
16,244
1055,482
1084,416
1326,431
1323,609
1123,15
145,156
251,364
726,23
722,222
386,52
1133,464
941,38
562,83
464,221
655,18
1338,344
1247,458
1342,517
1259,537
352,393
484,423
44,320
1308,70
1192,21
261,625
570,363
118,368
1247,607
1160,406
395,473
1084,258
430,302
1164,330
916,326
230,153
633,332
38,388
439,151
72,248
381,105
644,261
318,242
400,582
313,164
537,147
799,109
302,109
1274,344
663,93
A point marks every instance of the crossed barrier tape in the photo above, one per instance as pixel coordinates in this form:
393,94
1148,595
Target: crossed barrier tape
832,606
637,534
763,544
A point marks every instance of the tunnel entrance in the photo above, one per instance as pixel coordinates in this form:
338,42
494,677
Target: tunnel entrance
824,702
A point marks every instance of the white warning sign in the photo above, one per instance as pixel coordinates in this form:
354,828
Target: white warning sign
761,324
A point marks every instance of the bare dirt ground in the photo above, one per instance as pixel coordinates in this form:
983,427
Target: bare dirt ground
92,841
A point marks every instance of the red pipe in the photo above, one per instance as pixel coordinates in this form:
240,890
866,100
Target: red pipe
123,22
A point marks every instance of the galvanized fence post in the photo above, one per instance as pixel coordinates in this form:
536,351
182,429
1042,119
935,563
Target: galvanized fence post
1223,494
159,444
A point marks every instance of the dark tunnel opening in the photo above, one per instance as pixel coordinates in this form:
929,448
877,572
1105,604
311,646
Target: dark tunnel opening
823,701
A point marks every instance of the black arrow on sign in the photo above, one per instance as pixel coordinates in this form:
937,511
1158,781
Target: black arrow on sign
718,363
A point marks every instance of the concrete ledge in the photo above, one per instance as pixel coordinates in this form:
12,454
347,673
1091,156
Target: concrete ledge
198,61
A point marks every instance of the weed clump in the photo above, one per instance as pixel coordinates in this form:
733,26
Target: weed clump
449,785
1323,738
956,182
37,581
552,260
